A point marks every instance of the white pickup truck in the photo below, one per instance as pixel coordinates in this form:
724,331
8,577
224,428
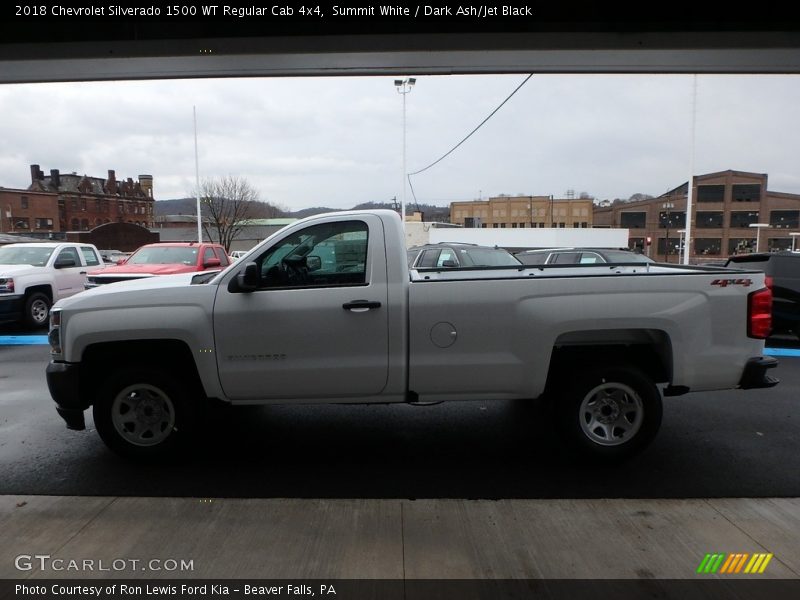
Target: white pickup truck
327,311
35,275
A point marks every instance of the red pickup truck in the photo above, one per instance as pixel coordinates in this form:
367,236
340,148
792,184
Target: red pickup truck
167,258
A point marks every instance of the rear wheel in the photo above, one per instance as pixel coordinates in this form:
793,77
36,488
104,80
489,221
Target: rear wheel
144,413
37,310
609,413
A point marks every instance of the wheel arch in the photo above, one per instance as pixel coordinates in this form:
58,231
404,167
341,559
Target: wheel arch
649,350
171,355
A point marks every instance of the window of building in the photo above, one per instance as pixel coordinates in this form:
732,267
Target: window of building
740,218
84,224
785,219
495,226
709,220
44,223
746,192
83,204
708,246
741,245
75,224
673,245
21,222
513,226
710,193
562,225
23,202
502,225
633,220
636,243
671,220
585,224
777,244
74,204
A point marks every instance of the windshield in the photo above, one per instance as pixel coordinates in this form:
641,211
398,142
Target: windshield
29,255
163,255
486,257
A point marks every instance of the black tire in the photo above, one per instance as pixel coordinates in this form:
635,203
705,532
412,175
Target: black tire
37,310
144,413
609,413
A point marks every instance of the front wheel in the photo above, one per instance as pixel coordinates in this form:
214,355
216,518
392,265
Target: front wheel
143,413
609,413
37,310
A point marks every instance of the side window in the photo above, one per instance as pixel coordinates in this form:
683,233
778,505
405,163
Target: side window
429,258
565,258
222,256
89,255
412,254
208,254
68,254
446,254
325,255
590,258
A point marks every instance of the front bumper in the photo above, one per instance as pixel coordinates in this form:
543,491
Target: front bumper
755,373
63,381
11,307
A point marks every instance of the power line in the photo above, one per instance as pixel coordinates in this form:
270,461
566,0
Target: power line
471,132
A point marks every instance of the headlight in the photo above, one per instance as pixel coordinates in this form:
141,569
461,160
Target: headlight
6,285
54,336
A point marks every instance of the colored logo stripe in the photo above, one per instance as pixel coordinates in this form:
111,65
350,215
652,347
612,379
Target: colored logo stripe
737,562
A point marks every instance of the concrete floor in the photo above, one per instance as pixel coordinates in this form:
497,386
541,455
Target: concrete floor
396,539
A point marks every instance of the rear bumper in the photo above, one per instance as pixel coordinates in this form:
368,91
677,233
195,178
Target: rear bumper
755,373
63,381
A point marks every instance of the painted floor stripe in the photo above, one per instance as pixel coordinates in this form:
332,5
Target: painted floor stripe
781,352
23,340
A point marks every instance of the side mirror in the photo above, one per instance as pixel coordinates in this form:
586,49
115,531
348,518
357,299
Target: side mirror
313,263
247,279
211,262
64,262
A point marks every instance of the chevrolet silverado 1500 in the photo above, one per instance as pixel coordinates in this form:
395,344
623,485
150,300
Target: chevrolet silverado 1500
327,311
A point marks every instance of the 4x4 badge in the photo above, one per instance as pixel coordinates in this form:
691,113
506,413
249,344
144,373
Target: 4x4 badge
727,282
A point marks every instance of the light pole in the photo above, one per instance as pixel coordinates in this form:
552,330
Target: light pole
794,238
404,87
667,206
759,227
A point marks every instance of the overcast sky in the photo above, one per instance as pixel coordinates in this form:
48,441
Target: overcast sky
337,142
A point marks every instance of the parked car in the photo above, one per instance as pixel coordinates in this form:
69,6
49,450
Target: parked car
783,268
237,254
113,257
580,256
162,259
454,255
34,276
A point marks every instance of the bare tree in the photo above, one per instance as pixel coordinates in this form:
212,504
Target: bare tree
228,203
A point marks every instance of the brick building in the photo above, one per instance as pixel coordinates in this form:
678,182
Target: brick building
725,205
23,211
83,203
519,212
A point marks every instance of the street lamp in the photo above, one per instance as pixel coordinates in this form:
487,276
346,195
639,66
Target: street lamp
404,87
794,238
758,227
667,206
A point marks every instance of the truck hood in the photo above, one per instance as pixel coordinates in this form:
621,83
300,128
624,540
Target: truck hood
128,292
155,269
12,270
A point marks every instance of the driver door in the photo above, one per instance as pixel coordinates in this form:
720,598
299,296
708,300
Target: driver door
317,325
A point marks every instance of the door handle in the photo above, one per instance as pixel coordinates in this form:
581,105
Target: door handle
360,305
82,273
